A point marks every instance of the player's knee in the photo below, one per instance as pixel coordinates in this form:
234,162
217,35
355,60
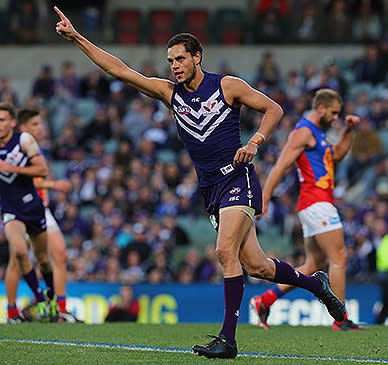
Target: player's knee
20,254
60,257
260,270
340,258
224,255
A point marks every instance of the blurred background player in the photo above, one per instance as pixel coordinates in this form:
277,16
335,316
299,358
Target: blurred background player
322,228
126,309
22,209
29,121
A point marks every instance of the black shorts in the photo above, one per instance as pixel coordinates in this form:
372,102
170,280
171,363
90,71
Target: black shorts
34,219
240,189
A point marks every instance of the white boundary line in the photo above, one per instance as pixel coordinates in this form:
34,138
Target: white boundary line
187,351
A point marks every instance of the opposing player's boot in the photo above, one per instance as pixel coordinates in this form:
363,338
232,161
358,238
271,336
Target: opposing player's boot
334,306
347,325
43,312
257,304
16,319
217,348
68,317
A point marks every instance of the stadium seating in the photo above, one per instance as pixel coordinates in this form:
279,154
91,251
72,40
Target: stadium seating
59,169
128,26
162,26
111,146
383,133
3,26
199,230
85,109
197,22
166,156
230,26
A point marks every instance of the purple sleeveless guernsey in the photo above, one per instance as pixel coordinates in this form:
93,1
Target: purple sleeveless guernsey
209,128
18,196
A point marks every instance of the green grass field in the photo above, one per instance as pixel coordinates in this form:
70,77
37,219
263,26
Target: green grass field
131,343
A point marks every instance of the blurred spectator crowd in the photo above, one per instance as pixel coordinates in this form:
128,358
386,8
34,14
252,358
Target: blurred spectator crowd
133,183
239,22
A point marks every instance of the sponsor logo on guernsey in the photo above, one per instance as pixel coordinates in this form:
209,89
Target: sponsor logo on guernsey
226,169
235,190
183,109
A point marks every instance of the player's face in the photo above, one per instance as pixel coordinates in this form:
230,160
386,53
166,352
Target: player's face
182,63
6,125
330,114
33,126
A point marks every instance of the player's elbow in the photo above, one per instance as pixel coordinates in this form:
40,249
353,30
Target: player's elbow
279,112
43,172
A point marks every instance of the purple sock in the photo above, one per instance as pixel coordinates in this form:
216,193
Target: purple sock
48,278
233,293
286,274
32,281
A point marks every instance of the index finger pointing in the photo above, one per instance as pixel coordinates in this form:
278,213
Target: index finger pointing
61,15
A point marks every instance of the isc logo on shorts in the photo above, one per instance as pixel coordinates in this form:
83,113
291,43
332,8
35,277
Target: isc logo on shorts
234,198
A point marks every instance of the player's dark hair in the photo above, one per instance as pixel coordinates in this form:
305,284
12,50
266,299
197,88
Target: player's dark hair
325,97
8,108
191,43
25,115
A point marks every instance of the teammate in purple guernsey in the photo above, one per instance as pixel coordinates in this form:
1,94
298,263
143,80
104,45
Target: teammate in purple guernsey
21,207
206,108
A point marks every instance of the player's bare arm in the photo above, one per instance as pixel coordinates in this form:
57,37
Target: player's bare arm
297,142
37,167
154,87
342,147
57,185
238,92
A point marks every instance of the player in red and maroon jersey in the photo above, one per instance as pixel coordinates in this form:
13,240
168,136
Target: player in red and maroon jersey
322,228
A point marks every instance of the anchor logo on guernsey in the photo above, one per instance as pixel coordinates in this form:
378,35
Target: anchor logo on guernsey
210,107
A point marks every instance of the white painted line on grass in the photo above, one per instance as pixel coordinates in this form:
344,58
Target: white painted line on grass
188,351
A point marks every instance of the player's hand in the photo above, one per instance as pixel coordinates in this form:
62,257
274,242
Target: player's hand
245,154
264,209
64,27
62,185
6,167
352,120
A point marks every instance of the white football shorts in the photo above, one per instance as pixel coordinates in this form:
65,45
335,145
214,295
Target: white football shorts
319,218
51,223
